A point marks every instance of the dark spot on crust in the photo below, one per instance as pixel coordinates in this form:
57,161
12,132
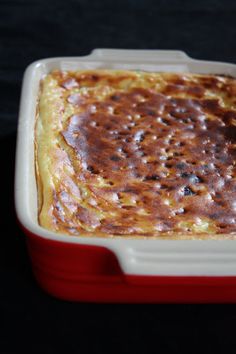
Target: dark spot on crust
92,169
164,186
181,165
151,178
168,165
184,175
151,113
115,98
188,191
95,77
115,158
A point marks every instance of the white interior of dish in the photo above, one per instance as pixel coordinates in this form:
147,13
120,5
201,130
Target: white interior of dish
146,257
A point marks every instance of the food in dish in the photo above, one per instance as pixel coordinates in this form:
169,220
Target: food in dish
136,154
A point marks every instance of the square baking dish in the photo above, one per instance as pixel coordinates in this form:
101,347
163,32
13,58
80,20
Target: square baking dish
117,270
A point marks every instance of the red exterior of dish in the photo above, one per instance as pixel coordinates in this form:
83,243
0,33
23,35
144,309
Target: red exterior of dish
92,273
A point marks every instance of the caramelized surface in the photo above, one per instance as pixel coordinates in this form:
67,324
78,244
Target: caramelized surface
137,154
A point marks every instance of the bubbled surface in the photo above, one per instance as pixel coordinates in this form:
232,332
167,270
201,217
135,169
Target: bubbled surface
138,154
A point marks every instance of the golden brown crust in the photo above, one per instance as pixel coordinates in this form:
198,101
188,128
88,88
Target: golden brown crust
137,154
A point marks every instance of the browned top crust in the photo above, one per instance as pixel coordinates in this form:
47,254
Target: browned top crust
137,154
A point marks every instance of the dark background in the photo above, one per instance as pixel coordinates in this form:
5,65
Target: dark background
30,320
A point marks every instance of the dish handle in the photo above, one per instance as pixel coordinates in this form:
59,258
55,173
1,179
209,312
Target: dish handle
176,257
139,55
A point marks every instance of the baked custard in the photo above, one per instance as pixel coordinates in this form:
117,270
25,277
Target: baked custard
136,154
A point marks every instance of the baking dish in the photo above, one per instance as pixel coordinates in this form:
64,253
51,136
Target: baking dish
117,270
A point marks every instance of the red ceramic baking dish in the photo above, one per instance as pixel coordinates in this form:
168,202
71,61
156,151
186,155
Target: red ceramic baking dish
117,270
